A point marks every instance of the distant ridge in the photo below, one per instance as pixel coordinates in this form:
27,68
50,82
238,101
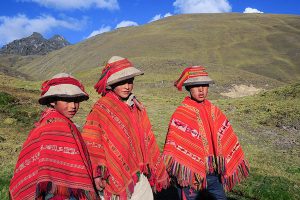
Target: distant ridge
258,49
35,44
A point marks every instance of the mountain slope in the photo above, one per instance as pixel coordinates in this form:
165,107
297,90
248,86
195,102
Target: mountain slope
256,49
267,125
10,63
259,48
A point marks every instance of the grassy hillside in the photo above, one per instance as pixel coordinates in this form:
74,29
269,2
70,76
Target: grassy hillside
240,51
267,124
235,48
18,111
10,63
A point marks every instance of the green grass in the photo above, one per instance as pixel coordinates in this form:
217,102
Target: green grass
267,125
261,50
16,119
18,112
234,45
15,110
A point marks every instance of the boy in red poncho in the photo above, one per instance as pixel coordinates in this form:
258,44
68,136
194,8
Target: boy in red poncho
125,156
54,163
201,151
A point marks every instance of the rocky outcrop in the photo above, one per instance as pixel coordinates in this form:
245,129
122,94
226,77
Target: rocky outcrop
35,44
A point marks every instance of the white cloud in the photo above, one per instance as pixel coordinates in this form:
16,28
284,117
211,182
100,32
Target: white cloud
252,10
12,28
103,29
155,18
202,6
167,15
77,4
126,23
158,17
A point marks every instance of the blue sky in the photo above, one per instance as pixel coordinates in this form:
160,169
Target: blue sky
77,20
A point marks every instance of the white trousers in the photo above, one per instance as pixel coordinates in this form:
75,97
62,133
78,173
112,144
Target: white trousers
142,190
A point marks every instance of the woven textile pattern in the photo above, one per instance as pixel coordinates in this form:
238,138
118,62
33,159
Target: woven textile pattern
201,141
54,161
121,145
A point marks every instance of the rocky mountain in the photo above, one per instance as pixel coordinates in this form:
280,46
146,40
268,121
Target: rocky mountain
35,44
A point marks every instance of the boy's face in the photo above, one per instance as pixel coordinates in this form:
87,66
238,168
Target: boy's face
199,92
124,88
68,109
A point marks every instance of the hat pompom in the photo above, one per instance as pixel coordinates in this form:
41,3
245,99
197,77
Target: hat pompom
116,70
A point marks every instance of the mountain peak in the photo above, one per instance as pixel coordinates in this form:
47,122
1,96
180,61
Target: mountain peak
36,35
59,41
35,44
57,37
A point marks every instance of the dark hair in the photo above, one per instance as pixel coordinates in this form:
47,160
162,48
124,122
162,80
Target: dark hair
52,99
129,80
188,87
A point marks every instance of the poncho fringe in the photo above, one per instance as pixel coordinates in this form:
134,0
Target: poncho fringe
186,177
201,141
53,162
122,145
49,190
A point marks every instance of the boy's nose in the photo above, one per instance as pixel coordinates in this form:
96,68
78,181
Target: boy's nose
126,85
72,104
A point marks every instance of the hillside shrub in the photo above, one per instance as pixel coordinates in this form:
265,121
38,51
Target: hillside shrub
24,112
6,99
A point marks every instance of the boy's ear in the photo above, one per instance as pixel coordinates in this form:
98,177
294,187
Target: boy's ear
52,104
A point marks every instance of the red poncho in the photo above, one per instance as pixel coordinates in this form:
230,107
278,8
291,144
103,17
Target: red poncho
201,141
53,161
122,145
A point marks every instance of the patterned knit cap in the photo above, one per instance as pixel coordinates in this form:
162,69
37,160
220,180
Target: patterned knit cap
116,70
195,75
62,86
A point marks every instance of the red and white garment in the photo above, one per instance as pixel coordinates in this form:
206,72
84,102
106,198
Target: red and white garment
54,162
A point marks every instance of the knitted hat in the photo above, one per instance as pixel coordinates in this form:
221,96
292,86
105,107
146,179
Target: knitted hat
62,86
116,70
194,75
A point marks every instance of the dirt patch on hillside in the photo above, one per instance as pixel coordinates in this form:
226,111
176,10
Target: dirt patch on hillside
241,91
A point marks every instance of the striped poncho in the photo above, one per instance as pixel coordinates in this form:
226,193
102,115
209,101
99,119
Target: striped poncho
53,162
201,141
121,146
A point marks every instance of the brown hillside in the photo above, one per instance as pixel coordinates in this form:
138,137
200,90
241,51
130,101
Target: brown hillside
257,49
